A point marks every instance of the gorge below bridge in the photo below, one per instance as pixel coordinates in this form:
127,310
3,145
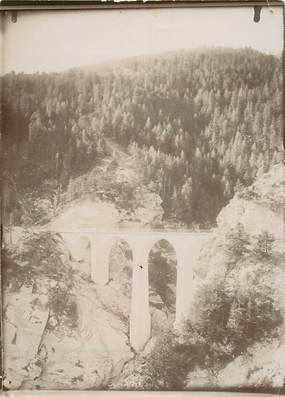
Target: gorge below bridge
187,246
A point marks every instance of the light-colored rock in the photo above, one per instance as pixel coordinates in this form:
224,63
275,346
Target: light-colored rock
247,213
200,378
48,354
86,214
25,319
150,210
261,366
88,356
259,208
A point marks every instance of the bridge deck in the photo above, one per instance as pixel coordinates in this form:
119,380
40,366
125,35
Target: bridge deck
119,232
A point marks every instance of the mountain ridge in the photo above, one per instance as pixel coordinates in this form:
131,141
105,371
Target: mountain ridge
128,61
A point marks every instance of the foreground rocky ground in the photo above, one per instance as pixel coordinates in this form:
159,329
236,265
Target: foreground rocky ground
239,289
257,209
61,331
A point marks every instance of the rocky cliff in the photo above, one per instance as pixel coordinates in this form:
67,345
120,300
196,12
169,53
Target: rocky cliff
257,272
61,331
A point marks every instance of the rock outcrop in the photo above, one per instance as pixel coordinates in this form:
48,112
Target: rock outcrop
257,209
61,330
261,366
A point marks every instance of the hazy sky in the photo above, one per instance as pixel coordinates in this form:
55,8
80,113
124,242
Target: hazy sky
54,41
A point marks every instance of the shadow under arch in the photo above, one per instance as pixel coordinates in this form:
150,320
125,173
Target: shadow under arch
84,255
84,247
162,270
120,265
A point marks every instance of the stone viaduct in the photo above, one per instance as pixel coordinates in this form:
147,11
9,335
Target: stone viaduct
187,246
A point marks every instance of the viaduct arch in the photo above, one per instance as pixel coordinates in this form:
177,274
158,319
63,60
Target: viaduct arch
187,246
162,274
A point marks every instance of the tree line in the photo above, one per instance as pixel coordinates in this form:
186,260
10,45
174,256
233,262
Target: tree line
202,123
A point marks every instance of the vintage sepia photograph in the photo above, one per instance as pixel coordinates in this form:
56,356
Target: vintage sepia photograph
142,199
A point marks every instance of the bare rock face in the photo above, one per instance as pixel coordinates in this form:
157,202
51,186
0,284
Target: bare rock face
86,214
110,196
260,365
150,210
88,356
61,330
42,353
25,318
258,207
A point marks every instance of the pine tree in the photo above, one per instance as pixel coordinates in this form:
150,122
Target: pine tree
237,242
263,247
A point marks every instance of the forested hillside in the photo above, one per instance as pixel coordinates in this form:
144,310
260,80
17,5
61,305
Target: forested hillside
201,124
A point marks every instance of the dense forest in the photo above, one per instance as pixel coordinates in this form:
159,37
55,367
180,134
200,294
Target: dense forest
202,123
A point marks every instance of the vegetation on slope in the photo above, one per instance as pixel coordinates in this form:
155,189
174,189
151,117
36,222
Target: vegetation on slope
201,123
37,262
231,314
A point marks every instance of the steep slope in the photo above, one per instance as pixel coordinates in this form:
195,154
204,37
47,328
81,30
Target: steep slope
60,328
245,265
234,336
61,331
258,208
189,140
112,195
200,126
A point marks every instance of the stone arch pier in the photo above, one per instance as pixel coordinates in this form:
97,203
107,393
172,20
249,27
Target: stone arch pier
187,246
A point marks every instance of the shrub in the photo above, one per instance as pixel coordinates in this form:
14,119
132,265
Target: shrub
37,263
237,242
165,368
63,307
242,307
263,246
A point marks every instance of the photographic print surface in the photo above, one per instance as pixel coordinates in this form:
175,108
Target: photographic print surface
142,200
